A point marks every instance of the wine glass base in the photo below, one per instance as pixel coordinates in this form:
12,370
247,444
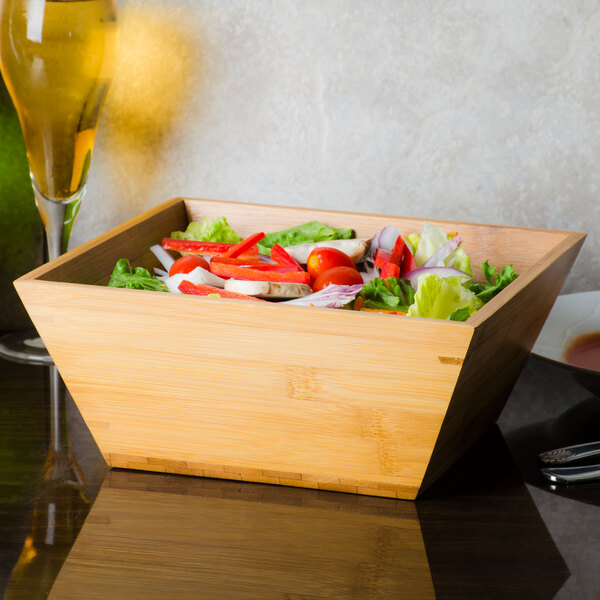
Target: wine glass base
24,347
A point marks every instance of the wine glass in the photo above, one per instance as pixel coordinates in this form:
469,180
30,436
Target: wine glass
57,59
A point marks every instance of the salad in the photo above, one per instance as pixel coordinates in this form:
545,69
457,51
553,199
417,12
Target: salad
426,274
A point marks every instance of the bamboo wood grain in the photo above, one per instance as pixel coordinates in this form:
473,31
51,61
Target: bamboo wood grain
270,392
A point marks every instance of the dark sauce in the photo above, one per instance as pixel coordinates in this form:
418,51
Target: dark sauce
584,351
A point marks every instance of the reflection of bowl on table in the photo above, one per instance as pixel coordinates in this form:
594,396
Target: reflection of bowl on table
572,316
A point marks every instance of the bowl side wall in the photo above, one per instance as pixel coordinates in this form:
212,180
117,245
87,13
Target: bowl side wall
500,346
280,394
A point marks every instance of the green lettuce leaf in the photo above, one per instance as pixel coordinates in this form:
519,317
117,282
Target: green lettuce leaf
460,314
496,282
124,276
430,241
307,233
209,230
462,262
388,294
441,298
413,240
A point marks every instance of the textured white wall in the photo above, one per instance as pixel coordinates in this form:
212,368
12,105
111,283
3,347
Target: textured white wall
475,110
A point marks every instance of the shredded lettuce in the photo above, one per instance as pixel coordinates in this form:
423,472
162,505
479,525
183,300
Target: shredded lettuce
209,230
496,282
460,260
443,298
307,233
430,241
388,294
124,276
412,239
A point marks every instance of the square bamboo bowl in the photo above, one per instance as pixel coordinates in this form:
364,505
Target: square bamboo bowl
328,399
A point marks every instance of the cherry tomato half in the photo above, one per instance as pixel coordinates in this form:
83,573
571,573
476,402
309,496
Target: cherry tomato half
187,263
337,276
323,259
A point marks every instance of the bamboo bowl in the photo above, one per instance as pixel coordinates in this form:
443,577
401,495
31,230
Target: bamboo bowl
329,399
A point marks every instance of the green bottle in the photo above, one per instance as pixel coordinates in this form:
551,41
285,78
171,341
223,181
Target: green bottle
21,230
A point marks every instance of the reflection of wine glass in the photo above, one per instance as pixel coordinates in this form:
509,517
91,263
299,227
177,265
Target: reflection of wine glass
57,59
60,507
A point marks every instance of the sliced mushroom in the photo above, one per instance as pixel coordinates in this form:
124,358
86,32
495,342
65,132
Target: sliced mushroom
268,289
354,248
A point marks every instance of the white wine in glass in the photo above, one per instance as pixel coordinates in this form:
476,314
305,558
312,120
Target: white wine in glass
58,59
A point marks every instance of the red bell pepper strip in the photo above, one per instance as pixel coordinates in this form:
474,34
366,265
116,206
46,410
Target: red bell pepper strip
273,268
256,274
400,257
259,266
398,251
282,257
244,245
195,247
187,287
236,261
390,270
208,248
262,267
381,310
381,257
408,262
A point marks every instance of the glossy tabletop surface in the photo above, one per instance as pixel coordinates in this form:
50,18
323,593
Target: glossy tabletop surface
490,528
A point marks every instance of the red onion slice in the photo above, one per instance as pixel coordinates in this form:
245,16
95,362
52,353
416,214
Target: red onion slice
414,275
385,239
333,296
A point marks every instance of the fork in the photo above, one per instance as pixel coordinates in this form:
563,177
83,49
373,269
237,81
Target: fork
568,454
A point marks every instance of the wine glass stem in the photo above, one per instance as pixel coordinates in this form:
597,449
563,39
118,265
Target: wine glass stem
56,392
58,218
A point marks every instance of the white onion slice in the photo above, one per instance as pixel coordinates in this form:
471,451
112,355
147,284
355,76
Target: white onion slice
164,258
197,276
414,275
332,296
160,273
437,258
371,271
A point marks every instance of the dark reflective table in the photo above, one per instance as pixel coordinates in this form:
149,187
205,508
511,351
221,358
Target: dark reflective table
489,528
